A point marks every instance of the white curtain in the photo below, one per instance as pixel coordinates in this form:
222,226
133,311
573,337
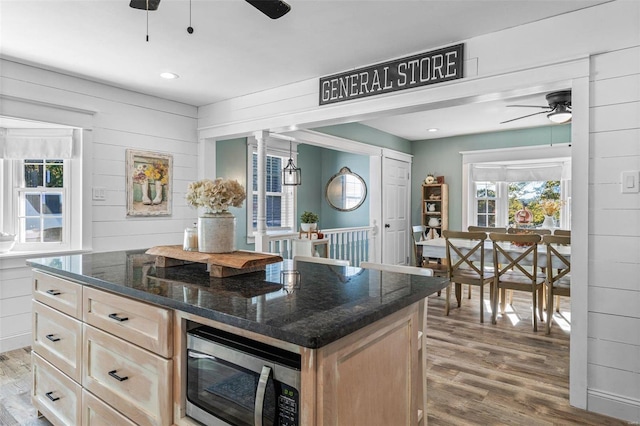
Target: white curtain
519,172
18,144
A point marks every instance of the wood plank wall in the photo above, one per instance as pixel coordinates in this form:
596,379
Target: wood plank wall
614,236
121,119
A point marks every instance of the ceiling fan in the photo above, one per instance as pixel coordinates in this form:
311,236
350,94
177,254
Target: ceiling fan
558,110
274,9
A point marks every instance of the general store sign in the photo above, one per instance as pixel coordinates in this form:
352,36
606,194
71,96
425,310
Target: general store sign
413,71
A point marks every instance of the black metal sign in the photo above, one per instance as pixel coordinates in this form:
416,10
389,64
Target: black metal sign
418,70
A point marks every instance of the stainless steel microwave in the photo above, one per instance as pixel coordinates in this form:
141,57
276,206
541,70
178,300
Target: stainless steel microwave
232,380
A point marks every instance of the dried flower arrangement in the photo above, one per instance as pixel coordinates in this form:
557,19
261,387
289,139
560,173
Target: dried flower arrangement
550,207
215,196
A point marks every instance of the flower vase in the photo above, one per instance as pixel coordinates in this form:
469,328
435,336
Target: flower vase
145,192
158,198
548,222
217,233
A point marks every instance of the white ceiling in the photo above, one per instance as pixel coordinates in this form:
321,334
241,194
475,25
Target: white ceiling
235,50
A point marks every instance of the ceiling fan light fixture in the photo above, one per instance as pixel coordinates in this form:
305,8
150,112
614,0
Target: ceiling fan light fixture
560,115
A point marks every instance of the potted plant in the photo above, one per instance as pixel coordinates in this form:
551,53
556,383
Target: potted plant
308,221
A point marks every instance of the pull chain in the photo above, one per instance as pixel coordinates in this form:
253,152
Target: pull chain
147,21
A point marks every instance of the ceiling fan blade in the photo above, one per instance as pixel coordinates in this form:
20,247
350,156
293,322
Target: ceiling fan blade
525,116
529,106
142,4
274,9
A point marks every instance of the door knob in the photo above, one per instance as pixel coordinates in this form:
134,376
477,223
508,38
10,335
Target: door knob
386,225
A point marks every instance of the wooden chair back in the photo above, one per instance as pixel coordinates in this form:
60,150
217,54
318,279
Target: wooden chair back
404,269
524,262
562,232
551,242
461,254
486,229
417,234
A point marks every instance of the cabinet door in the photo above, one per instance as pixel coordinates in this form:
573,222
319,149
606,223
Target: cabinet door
123,375
371,376
60,294
143,324
58,338
96,413
54,394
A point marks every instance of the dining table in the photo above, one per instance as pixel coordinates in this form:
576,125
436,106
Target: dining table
437,248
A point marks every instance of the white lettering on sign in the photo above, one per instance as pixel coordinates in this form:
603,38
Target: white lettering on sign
418,70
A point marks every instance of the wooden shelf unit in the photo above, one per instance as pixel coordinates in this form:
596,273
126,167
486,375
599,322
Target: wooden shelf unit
437,194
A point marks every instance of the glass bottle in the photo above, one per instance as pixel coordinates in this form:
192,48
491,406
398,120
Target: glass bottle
190,242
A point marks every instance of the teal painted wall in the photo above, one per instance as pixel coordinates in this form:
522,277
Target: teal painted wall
442,157
231,163
317,164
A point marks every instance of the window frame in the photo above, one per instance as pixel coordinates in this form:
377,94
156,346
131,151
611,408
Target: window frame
512,156
275,148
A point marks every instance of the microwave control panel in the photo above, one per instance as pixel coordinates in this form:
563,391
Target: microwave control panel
288,406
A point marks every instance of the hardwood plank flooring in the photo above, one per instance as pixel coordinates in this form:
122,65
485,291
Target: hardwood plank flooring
502,374
478,374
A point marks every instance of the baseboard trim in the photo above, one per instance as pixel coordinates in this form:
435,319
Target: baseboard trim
15,342
614,405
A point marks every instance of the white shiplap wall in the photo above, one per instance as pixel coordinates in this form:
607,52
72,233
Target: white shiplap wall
614,236
119,119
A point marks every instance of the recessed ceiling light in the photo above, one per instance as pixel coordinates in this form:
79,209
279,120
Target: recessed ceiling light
169,75
433,129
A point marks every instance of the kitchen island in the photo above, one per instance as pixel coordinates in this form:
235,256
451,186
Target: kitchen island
358,331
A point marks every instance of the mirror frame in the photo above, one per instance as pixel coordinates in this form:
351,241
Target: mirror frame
345,171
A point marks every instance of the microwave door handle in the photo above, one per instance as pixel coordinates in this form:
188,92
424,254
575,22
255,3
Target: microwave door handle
262,387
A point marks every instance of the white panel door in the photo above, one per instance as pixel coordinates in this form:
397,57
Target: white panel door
396,208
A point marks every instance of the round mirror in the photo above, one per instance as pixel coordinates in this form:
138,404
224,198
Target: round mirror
345,191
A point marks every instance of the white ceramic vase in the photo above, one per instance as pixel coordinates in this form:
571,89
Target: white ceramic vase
548,222
217,233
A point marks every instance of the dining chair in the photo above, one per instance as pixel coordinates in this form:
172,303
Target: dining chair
417,234
405,269
562,232
466,263
472,228
529,231
322,260
558,282
515,262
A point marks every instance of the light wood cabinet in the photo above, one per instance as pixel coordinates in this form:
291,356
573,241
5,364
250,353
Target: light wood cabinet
128,377
435,207
54,394
119,338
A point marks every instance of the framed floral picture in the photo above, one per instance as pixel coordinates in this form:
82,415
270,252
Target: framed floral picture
149,183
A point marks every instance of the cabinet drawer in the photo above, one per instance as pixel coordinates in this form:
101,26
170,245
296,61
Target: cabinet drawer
58,338
60,294
123,375
54,394
145,325
96,413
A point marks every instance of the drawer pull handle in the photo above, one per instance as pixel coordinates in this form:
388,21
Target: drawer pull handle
53,398
53,292
53,339
117,318
113,374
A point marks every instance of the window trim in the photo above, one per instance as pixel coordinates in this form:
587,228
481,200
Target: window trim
276,148
530,154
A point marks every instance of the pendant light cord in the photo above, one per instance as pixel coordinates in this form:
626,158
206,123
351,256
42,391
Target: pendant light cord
147,21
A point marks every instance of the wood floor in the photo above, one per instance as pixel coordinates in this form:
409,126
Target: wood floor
478,374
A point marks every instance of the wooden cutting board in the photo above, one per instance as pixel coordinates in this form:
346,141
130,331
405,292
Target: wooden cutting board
219,265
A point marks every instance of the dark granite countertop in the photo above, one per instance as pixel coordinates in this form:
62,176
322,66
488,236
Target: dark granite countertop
331,302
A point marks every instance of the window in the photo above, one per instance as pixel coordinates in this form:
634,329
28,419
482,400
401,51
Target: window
41,210
37,171
501,183
280,199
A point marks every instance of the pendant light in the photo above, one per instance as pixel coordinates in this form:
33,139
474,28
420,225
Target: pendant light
291,175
